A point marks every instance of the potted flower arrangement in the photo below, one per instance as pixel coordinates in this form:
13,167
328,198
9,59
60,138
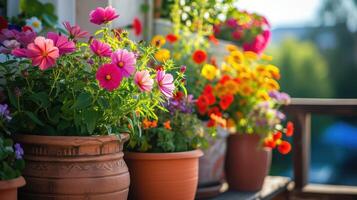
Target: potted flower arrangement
163,159
11,162
247,30
246,94
72,103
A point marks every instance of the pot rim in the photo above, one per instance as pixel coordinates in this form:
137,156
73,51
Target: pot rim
13,183
163,156
70,140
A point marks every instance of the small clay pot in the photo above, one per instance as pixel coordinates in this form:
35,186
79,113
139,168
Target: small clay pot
8,188
76,168
163,176
247,164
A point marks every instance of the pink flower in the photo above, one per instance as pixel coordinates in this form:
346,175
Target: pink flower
102,15
259,43
109,77
75,31
143,80
43,53
21,53
125,61
25,37
100,48
232,23
62,43
8,46
165,82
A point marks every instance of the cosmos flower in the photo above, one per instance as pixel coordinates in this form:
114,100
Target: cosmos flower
102,15
43,53
62,43
100,48
165,82
75,31
143,80
109,77
125,61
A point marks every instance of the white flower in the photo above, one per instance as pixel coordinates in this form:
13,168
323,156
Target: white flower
35,24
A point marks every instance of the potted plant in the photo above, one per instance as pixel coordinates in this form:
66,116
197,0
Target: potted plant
72,104
246,94
163,159
11,162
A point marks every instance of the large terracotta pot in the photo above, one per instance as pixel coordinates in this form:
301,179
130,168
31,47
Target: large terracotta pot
75,168
8,188
246,163
163,176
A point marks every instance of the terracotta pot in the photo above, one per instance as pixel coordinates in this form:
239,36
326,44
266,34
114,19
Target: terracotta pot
8,188
75,168
246,163
163,176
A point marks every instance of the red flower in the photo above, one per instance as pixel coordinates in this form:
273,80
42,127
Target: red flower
26,28
3,23
178,96
211,123
284,147
269,143
208,89
224,79
211,98
214,110
289,129
172,38
199,56
202,104
278,135
213,39
237,34
137,26
226,101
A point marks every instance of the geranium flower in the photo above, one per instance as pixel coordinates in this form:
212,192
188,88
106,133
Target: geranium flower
75,31
125,61
202,104
102,15
43,53
3,23
226,101
162,55
8,46
209,71
137,26
100,48
158,41
35,24
165,82
62,43
109,77
284,147
199,56
289,129
172,38
143,80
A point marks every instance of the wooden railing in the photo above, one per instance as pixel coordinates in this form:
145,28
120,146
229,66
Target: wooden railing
301,110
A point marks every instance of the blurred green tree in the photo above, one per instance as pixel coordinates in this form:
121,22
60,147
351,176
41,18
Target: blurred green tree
304,71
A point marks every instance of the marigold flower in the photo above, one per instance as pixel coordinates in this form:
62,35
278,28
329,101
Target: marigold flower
162,55
226,101
143,80
250,55
284,147
42,52
137,26
167,125
231,47
199,56
236,57
62,43
289,129
158,41
109,77
172,38
272,84
165,82
100,48
125,61
209,71
102,15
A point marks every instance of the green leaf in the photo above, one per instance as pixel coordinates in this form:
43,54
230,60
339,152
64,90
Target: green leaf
34,118
12,98
84,100
40,98
91,117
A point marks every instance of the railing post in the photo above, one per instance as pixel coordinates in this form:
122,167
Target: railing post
301,148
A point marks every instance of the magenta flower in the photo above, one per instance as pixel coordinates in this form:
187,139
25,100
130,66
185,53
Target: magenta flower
21,53
43,53
143,80
25,37
259,43
102,15
7,34
109,77
125,61
165,82
100,48
62,43
75,31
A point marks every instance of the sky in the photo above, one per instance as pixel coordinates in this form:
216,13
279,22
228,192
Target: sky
282,13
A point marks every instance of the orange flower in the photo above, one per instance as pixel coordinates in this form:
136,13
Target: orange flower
270,143
289,129
277,136
153,124
167,125
146,123
284,147
213,39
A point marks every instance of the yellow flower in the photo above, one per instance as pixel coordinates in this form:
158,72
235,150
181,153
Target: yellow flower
209,71
162,55
263,95
274,71
220,90
246,90
231,47
232,86
158,41
271,84
226,68
250,55
236,57
266,57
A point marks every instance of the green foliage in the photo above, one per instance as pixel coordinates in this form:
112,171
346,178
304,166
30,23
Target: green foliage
304,71
10,166
44,11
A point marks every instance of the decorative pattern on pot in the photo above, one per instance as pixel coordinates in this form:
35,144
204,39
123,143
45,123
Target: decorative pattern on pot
76,168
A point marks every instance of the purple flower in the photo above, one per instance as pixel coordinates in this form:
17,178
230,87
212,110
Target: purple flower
19,152
4,112
280,97
8,46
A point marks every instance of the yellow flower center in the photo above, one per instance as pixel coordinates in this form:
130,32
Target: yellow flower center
36,24
121,64
108,77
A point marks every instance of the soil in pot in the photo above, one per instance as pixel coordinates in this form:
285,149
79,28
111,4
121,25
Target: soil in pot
163,176
247,164
76,168
8,188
